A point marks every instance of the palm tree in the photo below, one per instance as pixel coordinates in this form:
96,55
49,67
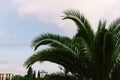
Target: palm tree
88,55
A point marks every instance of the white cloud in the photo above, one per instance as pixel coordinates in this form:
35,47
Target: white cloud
3,35
4,7
47,66
51,10
2,62
13,68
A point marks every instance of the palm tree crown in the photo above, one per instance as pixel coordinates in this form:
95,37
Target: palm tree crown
88,55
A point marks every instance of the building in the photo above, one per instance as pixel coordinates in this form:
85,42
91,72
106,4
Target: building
4,76
43,73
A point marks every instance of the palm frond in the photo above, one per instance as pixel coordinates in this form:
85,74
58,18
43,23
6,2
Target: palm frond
50,54
104,52
117,39
84,28
101,26
114,27
108,49
98,49
115,74
116,51
99,40
87,56
84,50
55,40
49,39
58,56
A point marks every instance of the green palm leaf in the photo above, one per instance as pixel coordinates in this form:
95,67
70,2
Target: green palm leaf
84,28
114,27
87,56
56,40
49,39
58,56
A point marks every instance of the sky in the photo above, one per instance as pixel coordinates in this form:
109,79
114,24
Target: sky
23,20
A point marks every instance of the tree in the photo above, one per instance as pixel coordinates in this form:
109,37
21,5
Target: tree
30,72
38,74
87,55
18,77
34,75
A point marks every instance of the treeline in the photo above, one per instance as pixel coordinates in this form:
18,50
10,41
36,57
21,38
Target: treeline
31,75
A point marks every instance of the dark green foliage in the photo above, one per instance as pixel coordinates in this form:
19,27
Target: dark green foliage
87,56
34,75
18,77
83,26
30,72
38,74
7,79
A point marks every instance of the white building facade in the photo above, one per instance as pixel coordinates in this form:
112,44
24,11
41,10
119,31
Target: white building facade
6,76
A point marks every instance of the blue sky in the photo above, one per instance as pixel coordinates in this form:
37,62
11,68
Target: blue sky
23,20
16,35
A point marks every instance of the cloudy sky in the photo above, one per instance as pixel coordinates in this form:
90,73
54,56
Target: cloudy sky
22,20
